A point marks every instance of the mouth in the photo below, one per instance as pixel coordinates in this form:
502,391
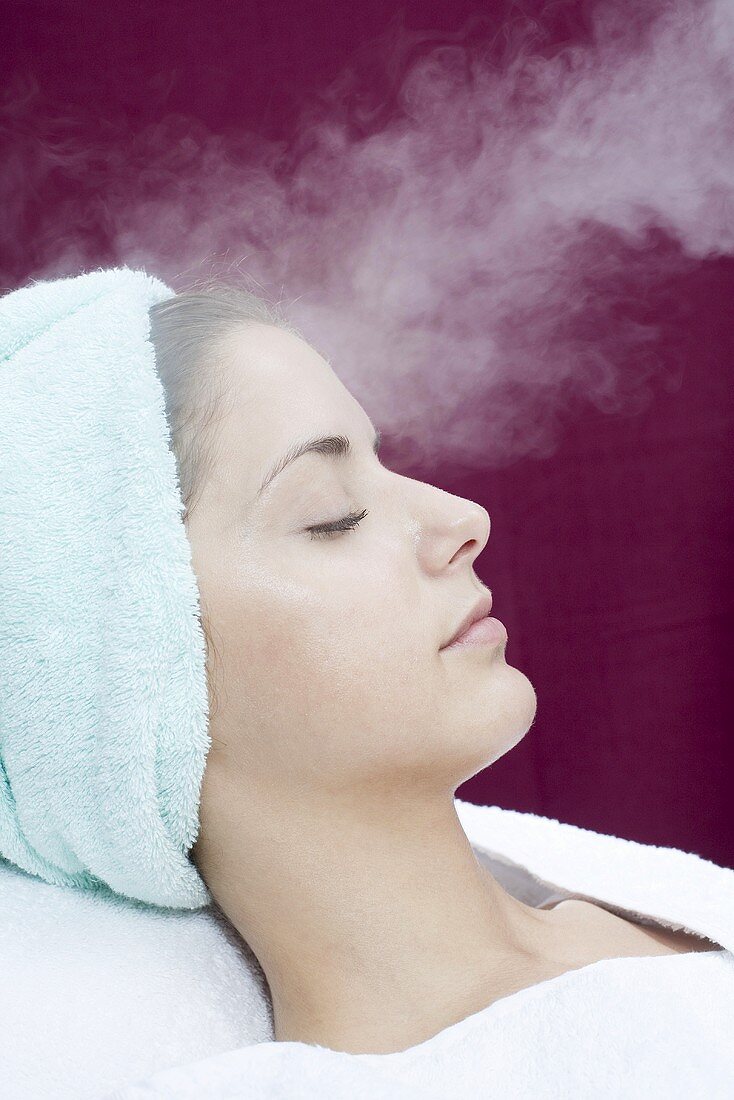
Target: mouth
480,611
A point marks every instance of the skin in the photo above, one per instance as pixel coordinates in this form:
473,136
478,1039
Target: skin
329,836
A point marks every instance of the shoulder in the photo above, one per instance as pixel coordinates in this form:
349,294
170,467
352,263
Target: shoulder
612,935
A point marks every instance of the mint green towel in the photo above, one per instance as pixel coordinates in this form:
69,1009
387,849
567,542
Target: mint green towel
103,697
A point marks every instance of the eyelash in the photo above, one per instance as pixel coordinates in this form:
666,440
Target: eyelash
329,530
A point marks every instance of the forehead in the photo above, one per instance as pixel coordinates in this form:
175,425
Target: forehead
279,390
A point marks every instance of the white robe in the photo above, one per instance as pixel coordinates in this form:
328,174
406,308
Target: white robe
635,1027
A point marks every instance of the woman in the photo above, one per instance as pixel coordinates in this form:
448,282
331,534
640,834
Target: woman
343,714
343,704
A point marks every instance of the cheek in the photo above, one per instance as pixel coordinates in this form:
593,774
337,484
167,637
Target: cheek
343,686
328,658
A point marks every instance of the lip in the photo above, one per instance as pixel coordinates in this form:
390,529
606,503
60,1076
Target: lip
480,610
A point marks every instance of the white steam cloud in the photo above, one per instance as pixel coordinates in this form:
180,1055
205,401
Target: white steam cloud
494,251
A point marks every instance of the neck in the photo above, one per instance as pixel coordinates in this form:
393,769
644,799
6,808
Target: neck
375,929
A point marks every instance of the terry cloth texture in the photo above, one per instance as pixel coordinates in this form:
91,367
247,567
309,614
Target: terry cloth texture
103,696
647,1027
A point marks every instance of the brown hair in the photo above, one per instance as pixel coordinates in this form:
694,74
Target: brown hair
187,332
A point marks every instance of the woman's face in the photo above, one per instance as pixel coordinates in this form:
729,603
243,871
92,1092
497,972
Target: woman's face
329,674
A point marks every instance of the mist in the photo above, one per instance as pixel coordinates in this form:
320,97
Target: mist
498,246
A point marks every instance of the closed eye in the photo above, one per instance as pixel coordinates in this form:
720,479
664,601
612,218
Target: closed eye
339,526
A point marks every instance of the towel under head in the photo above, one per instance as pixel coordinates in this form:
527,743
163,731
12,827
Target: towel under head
103,694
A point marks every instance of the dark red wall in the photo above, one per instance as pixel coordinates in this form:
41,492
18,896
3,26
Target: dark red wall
611,559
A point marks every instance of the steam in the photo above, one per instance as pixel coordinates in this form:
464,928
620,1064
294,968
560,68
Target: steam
497,249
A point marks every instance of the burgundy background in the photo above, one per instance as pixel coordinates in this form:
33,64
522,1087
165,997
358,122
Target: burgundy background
610,561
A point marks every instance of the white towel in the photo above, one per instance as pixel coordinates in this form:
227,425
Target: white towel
172,1006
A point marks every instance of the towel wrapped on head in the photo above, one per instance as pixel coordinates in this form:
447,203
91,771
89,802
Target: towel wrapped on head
103,691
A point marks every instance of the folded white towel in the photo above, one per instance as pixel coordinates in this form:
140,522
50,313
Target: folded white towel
175,1003
656,1028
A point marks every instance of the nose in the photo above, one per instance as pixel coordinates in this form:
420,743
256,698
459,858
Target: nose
454,531
469,532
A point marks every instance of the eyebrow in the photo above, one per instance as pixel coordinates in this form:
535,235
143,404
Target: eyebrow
331,446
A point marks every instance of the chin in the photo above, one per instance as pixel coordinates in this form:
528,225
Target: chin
520,704
489,726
